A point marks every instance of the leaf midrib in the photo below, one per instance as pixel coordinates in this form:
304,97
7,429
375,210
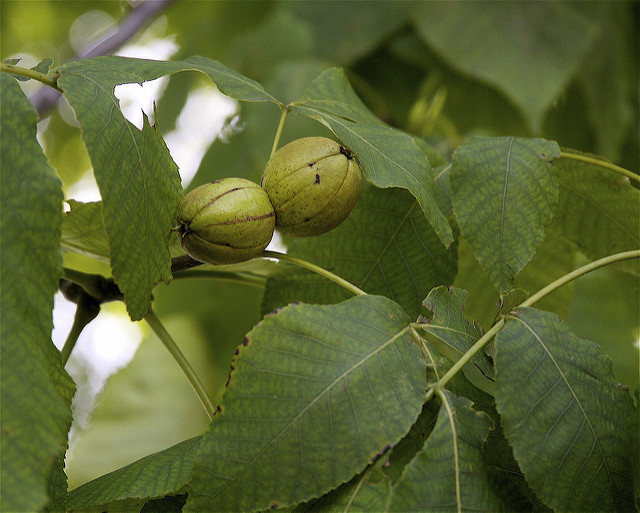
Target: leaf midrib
576,399
327,389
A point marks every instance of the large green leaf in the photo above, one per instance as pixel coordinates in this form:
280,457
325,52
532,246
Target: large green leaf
598,209
385,247
504,193
156,475
36,391
449,473
389,157
565,415
528,50
138,181
315,393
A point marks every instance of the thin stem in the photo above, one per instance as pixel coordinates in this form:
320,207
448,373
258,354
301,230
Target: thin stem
591,266
602,163
87,309
97,286
454,442
182,362
244,279
316,269
276,139
30,73
464,359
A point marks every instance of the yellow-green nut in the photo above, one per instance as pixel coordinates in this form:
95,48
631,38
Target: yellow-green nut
313,184
226,221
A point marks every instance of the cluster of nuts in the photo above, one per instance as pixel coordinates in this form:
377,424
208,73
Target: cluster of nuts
308,187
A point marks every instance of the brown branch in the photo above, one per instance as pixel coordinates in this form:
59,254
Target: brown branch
47,97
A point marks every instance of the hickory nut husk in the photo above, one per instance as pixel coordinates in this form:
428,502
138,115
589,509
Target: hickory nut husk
313,184
226,221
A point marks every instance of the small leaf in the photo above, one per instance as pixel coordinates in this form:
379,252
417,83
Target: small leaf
564,414
83,229
388,157
315,394
449,473
36,391
43,66
451,333
598,209
504,193
156,475
386,247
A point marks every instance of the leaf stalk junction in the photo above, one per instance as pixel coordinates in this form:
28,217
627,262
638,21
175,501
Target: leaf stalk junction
482,341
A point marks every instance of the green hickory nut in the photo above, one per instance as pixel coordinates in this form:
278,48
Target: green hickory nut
313,184
226,221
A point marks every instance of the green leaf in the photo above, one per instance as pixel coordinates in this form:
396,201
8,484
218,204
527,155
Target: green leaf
138,181
156,475
114,70
504,193
164,410
43,66
449,473
366,492
315,393
606,310
386,247
36,391
513,46
609,81
83,229
506,477
388,157
345,32
452,334
564,414
598,209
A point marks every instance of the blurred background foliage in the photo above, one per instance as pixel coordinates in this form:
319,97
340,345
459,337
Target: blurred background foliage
443,71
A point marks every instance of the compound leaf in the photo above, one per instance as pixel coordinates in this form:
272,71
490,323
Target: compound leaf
565,415
504,193
315,394
36,390
388,157
449,473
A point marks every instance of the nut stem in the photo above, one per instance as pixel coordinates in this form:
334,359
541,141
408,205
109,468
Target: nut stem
316,269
